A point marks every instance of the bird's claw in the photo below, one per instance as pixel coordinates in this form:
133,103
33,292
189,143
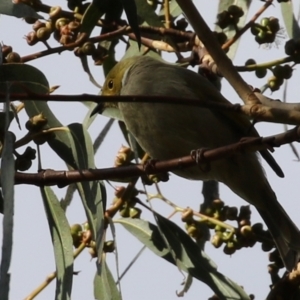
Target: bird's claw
198,156
149,165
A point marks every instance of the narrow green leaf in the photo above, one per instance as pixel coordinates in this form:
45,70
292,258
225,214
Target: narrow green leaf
86,68
7,183
91,16
105,287
131,11
75,147
67,199
93,194
102,134
189,257
291,24
62,243
147,14
1,202
3,125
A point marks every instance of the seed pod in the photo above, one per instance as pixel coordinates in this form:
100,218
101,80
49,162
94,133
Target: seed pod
231,213
223,19
36,123
255,29
266,246
290,47
13,57
265,22
109,247
235,11
6,50
229,249
61,22
217,204
135,213
274,83
29,153
246,231
43,34
261,72
274,25
217,240
23,164
31,38
37,25
55,12
76,233
250,62
88,48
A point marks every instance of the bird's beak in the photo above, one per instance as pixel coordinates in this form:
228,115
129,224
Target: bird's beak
98,109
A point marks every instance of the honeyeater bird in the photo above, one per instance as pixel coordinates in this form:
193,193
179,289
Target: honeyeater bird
167,131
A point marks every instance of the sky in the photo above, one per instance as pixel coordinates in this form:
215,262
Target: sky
150,277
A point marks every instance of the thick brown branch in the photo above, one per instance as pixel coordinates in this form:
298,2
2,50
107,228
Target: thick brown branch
273,111
63,178
118,32
223,62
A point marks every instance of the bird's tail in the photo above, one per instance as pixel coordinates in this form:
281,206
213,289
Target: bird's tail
285,234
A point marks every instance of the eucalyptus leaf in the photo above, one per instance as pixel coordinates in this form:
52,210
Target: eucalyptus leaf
291,24
105,287
91,16
62,243
3,120
7,183
24,78
73,144
146,13
102,134
93,194
86,68
130,8
188,256
1,202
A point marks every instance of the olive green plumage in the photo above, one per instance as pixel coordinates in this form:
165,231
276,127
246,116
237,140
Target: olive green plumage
169,131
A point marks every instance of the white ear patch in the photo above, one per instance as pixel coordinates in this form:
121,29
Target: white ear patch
125,77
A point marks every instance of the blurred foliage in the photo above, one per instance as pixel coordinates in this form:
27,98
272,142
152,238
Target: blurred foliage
95,31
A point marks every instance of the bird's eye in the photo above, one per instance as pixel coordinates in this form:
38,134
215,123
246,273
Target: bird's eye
110,84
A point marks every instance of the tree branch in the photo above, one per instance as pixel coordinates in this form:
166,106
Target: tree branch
271,110
63,178
223,62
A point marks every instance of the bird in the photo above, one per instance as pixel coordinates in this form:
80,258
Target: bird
167,131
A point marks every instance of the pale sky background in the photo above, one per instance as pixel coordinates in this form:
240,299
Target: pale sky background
150,277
